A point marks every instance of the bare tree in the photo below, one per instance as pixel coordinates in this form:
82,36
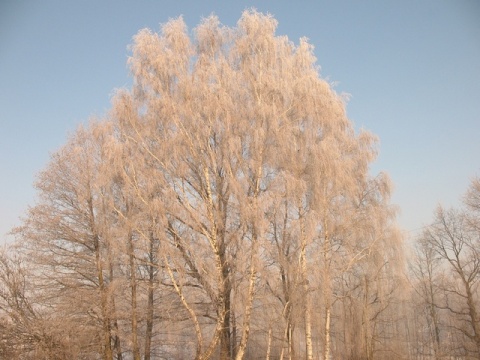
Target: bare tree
29,330
426,268
456,242
67,235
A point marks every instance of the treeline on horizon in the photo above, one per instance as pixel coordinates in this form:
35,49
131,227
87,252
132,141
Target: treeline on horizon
224,209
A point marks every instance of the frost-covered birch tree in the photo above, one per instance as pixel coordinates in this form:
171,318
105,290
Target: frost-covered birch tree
226,198
226,123
67,238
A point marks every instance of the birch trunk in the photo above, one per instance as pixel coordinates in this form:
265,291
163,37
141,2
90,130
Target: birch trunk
249,305
327,331
253,271
191,312
327,291
306,290
269,343
107,346
150,310
133,294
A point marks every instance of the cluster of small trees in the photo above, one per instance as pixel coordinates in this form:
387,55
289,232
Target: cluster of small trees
224,209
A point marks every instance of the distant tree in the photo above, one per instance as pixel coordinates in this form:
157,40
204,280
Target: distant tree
427,271
454,239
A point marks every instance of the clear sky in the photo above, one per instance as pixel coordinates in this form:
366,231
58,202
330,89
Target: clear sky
412,69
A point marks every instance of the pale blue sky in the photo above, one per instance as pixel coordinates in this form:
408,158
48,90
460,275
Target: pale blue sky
411,67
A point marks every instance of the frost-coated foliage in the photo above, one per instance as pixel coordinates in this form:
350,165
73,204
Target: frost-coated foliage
224,209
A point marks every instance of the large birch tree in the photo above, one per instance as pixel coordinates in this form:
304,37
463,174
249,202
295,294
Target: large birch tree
229,180
225,123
